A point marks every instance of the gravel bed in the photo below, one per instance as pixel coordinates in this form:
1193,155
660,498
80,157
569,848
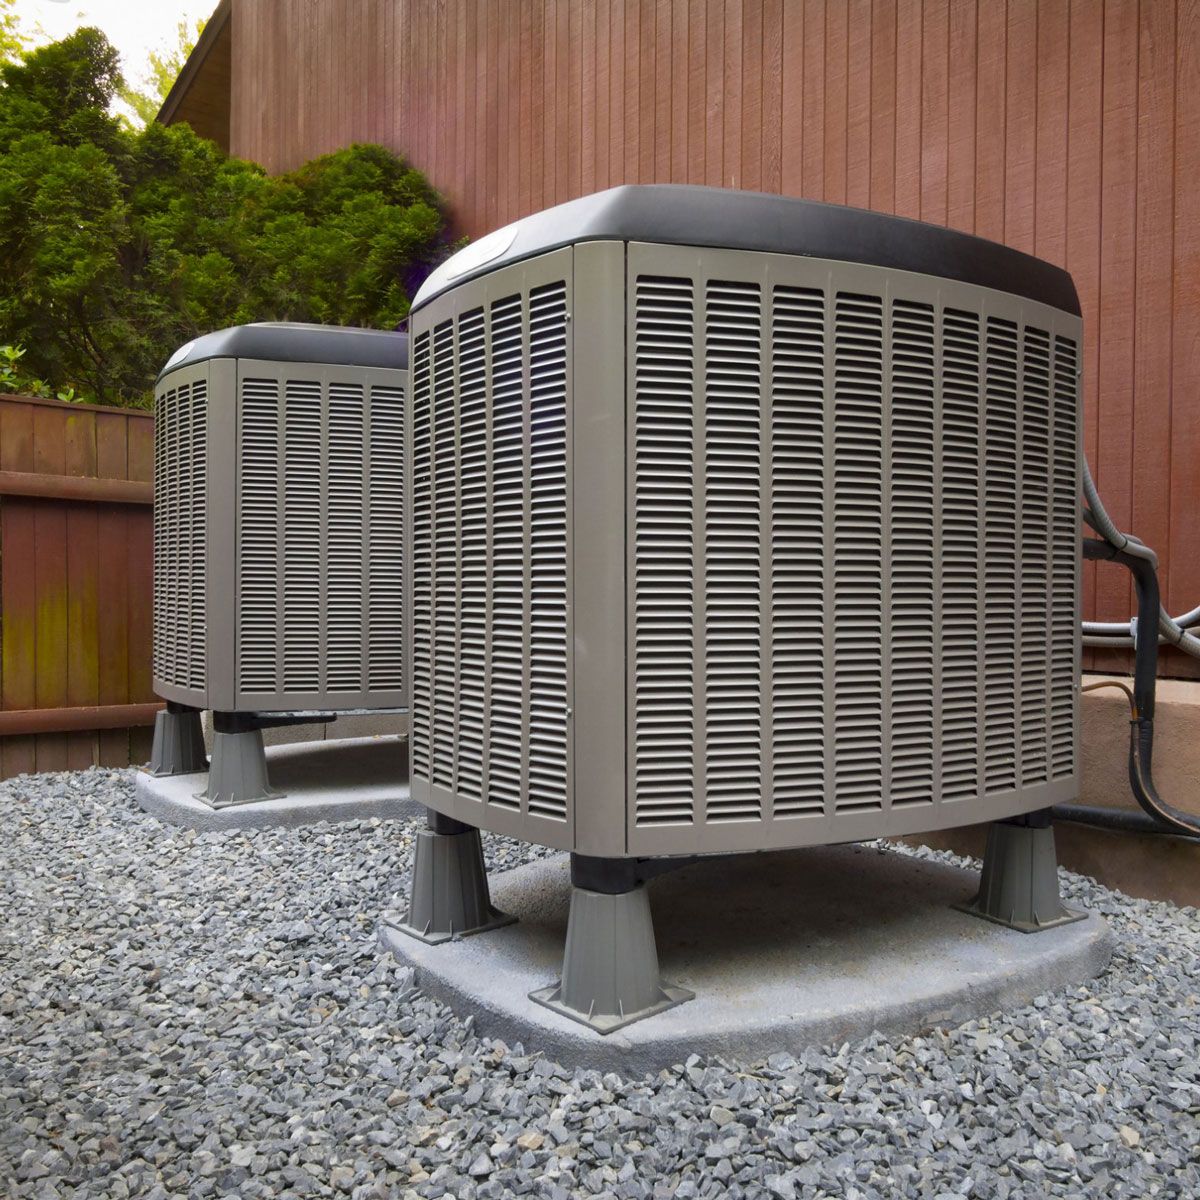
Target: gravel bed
208,1014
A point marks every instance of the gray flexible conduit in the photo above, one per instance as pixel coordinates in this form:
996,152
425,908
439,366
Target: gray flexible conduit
1114,634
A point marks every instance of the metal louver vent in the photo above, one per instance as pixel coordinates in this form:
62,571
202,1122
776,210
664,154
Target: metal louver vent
490,558
1064,559
180,538
258,537
664,532
385,539
344,524
960,554
1000,554
857,547
912,469
319,572
797,531
833,497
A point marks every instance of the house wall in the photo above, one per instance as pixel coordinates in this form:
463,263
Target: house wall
1066,128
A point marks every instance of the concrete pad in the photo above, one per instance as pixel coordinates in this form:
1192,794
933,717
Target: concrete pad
783,951
345,780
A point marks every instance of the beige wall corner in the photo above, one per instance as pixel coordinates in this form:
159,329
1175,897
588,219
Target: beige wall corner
1150,867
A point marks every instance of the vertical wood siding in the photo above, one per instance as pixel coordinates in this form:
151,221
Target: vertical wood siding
1066,128
75,583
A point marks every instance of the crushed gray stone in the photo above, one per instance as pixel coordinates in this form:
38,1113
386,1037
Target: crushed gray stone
208,1015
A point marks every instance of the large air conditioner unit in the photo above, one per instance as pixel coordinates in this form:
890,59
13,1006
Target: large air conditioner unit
738,523
278,537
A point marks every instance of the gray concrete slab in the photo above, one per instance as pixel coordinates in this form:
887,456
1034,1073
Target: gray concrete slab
344,780
807,947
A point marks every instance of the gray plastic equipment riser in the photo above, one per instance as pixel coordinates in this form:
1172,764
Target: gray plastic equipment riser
178,744
449,896
238,774
1018,885
610,963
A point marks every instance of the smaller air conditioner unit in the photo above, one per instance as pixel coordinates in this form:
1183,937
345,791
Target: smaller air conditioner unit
278,528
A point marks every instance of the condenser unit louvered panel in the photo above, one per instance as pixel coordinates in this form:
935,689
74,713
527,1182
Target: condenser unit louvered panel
830,578
279,536
490,551
180,547
319,574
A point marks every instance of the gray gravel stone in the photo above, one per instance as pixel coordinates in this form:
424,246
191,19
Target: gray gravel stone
200,1015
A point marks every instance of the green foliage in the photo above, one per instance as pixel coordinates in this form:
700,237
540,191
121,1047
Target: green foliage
162,71
12,41
120,244
16,380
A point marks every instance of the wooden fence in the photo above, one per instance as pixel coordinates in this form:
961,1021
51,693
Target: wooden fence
76,551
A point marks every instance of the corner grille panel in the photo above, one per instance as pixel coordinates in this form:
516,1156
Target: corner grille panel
180,537
491,563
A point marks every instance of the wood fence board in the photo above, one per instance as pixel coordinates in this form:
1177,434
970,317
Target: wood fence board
112,446
16,437
112,662
83,622
18,595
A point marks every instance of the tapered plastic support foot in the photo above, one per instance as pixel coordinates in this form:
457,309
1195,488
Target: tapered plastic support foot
178,743
1018,885
610,964
238,774
449,895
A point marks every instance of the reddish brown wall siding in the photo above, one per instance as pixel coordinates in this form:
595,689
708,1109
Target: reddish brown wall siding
75,580
1067,128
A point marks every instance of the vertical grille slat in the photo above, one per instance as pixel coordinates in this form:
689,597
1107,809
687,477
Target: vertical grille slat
444,664
303,536
506,699
732,472
664,552
912,470
1035,556
857,552
384,564
344,555
1000,556
420,729
547,771
797,551
1064,557
960,500
259,538
475,563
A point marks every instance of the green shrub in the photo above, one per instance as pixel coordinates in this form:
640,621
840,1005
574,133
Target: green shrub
119,245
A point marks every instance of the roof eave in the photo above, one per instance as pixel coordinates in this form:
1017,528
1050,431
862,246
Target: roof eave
195,62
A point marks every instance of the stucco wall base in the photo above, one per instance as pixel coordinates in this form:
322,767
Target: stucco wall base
1152,867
